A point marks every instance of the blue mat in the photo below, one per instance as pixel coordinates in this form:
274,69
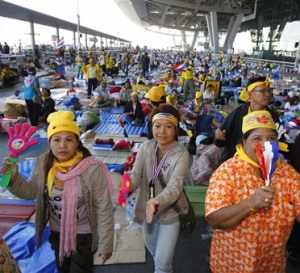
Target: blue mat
21,202
103,147
113,110
116,167
109,125
22,244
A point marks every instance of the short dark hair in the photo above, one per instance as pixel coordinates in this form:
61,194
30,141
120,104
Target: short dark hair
32,70
256,79
48,91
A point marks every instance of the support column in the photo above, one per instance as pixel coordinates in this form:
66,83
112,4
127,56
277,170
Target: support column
271,38
32,34
184,40
95,42
74,39
57,33
86,41
194,39
233,28
214,28
78,31
208,22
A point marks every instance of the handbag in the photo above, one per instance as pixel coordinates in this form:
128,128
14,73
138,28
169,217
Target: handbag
183,207
187,216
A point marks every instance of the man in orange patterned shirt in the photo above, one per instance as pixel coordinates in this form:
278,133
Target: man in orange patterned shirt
251,221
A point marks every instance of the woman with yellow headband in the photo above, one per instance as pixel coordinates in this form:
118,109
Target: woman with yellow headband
72,192
230,133
159,171
252,221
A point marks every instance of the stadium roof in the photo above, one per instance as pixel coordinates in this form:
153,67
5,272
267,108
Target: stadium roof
189,15
10,10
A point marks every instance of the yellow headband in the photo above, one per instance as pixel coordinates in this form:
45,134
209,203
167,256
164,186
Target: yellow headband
258,119
252,86
166,116
244,95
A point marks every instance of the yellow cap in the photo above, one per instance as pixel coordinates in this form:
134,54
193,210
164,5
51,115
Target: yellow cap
155,93
62,121
257,119
198,95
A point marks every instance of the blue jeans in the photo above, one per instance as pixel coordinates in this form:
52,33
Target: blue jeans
160,240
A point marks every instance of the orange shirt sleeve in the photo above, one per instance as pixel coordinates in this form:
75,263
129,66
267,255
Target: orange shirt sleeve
295,190
221,189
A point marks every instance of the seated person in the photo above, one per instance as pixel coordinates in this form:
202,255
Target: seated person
125,92
205,122
101,96
48,104
205,161
133,110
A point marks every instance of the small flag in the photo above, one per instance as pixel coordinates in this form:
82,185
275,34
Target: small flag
60,43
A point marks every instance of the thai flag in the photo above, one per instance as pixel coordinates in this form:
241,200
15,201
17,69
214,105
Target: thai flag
60,43
180,67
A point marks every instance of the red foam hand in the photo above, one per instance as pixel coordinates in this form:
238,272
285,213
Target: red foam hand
19,138
124,189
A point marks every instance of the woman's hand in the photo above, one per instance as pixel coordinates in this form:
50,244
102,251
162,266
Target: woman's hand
151,210
8,165
262,198
105,257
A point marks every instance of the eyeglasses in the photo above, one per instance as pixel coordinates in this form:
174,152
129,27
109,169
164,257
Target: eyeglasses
265,91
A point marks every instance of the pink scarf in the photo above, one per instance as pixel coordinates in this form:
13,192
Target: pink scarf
68,224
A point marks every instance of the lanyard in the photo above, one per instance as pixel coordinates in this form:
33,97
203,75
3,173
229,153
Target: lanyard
157,167
155,172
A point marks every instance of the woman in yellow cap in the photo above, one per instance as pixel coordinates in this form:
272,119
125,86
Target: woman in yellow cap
161,165
72,192
259,98
251,221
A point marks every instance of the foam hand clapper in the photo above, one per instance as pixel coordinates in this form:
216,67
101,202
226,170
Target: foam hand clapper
124,189
19,140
